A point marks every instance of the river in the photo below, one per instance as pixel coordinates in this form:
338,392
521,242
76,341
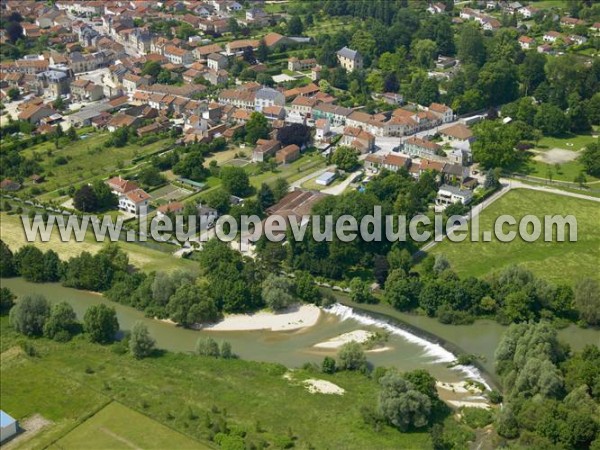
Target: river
293,348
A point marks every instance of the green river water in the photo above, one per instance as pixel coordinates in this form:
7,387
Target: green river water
293,348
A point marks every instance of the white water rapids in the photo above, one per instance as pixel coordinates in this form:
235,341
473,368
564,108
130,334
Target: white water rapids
435,351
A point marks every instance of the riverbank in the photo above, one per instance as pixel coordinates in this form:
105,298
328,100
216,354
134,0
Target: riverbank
294,318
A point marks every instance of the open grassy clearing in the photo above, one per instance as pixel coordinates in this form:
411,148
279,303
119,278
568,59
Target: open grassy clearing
567,171
558,262
573,142
291,172
185,393
142,257
85,159
118,427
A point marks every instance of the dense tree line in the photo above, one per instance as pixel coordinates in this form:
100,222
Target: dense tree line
396,193
550,394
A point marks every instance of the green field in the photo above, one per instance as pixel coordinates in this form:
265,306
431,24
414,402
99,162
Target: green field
302,167
87,159
70,383
557,262
563,172
142,257
118,427
573,142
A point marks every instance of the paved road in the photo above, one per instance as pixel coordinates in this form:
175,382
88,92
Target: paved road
340,188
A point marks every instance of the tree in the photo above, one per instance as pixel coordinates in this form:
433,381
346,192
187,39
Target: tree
257,128
85,199
262,52
471,48
152,68
491,180
400,258
328,365
72,134
295,26
360,291
401,404
151,176
495,145
192,304
52,266
346,158
352,357
207,347
265,196
424,51
234,27
218,199
235,181
105,199
226,352
29,261
192,167
401,291
550,120
6,300
7,263
277,292
295,133
59,103
391,83
587,300
62,323
280,188
30,314
141,343
13,94
14,30
100,323
531,71
590,158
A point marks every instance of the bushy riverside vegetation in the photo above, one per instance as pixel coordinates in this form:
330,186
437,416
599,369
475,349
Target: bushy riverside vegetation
551,396
376,405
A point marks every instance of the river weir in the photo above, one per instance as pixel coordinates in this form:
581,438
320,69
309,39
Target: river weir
433,350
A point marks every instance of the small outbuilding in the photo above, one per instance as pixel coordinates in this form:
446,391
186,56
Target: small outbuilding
326,178
8,426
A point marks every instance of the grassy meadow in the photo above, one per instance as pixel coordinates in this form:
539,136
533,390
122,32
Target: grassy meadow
142,257
71,384
557,262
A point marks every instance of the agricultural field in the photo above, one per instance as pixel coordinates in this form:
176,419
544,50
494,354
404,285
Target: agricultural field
84,160
172,389
564,262
118,427
142,257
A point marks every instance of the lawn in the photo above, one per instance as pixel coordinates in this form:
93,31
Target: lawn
86,159
140,256
573,142
557,262
118,427
191,395
567,171
291,172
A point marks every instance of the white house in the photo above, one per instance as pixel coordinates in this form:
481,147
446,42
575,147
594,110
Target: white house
449,195
135,202
216,61
8,426
268,97
322,129
349,59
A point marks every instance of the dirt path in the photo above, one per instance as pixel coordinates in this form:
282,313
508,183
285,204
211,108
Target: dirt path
121,439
